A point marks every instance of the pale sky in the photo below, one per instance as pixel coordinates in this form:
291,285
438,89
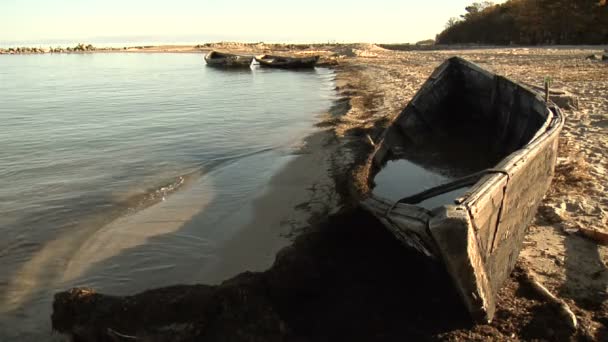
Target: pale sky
381,21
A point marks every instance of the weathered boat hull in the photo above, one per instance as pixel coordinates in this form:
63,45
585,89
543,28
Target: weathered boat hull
219,59
478,237
287,62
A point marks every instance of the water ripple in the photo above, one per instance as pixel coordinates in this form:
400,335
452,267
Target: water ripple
86,138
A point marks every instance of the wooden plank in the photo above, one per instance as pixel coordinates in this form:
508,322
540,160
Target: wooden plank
484,210
529,180
407,223
454,235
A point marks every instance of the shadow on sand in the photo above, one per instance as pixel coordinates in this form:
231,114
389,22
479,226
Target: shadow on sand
586,274
347,280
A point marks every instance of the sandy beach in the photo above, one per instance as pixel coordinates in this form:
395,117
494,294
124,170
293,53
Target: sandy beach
344,277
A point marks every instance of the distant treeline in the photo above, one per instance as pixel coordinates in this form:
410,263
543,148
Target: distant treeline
530,22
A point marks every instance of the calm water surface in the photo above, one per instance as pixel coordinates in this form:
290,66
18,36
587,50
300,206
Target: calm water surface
104,153
402,178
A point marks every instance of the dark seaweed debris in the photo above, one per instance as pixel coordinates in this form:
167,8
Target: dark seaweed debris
347,280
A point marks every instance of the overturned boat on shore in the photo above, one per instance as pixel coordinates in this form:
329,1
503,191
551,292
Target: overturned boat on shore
460,172
287,62
221,59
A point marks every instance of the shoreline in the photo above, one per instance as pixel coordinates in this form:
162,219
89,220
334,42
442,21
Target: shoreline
156,49
293,199
347,268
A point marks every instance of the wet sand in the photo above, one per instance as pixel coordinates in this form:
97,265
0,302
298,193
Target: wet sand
339,278
299,194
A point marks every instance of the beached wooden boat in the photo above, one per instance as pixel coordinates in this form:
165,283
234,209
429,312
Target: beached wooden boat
215,58
493,145
287,62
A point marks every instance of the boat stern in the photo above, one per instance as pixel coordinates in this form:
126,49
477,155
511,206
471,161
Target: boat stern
457,243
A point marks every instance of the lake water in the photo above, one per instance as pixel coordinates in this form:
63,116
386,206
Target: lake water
106,160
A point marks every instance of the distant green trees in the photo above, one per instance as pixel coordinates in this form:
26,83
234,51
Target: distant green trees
530,22
81,47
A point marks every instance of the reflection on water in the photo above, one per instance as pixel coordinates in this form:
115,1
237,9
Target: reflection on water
93,146
437,157
402,178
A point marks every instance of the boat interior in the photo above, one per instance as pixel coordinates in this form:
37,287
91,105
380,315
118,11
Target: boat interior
463,120
276,58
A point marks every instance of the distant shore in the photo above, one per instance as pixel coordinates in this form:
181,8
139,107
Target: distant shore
165,48
199,48
81,48
248,47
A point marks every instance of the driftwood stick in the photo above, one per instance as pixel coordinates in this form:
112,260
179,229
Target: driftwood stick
370,140
116,336
447,187
563,308
595,235
440,190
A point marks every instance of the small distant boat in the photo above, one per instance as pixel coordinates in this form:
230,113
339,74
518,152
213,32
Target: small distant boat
495,142
221,59
287,62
